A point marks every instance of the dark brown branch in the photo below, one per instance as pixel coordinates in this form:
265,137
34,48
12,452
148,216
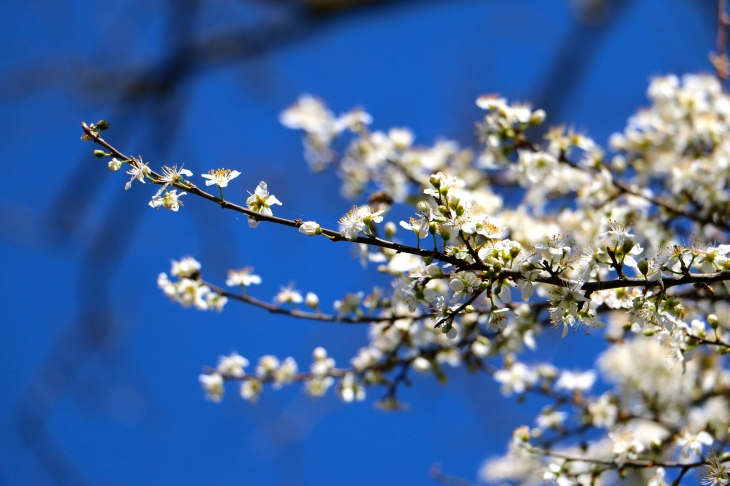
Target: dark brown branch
314,316
399,248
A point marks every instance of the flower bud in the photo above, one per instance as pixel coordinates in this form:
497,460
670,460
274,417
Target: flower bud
435,180
469,309
319,354
311,300
102,125
538,116
656,445
390,229
115,165
423,206
447,326
643,266
310,228
99,153
627,246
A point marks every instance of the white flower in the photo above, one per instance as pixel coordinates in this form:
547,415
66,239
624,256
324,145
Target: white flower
402,138
625,446
322,364
351,303
317,386
215,301
576,381
463,283
421,364
186,267
220,177
497,319
556,473
351,389
488,229
232,365
658,479
603,411
691,441
357,220
285,373
138,171
167,287
261,201
288,294
243,277
170,175
213,386
310,114
310,228
115,164
168,201
491,102
192,292
516,378
267,365
551,420
311,300
250,390
418,226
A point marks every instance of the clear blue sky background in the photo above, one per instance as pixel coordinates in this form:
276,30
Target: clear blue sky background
99,371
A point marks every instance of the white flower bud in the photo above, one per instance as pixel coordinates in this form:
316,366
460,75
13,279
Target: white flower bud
311,300
421,364
390,229
319,354
115,165
310,228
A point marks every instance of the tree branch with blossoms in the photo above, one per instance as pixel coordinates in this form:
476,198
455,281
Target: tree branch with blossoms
457,303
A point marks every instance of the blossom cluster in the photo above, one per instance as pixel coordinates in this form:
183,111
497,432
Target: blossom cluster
635,245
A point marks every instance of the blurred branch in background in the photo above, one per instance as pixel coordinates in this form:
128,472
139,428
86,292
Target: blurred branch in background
94,329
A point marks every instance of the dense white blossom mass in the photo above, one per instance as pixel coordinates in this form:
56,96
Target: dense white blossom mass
635,242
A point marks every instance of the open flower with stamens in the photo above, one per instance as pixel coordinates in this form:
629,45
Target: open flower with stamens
357,220
488,229
498,318
138,171
565,306
463,283
620,231
625,446
169,200
171,175
418,226
261,201
220,177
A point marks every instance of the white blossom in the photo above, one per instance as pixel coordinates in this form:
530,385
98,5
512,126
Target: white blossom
260,202
213,386
243,277
232,365
221,178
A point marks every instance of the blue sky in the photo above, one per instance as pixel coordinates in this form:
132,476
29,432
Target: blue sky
100,371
